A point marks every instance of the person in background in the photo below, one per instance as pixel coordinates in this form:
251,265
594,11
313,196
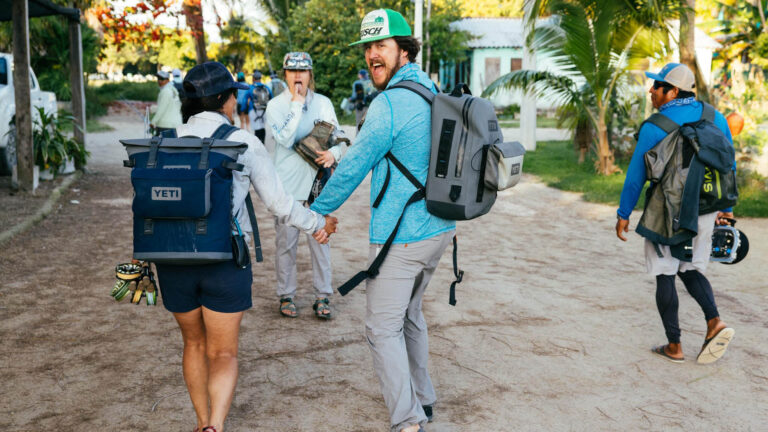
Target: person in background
177,83
673,94
362,88
168,112
260,96
291,116
243,102
277,84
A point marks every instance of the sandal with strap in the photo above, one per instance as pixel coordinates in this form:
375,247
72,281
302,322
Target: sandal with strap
288,308
209,429
322,308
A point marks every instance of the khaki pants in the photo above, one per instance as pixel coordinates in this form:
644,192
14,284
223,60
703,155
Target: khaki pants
396,329
286,243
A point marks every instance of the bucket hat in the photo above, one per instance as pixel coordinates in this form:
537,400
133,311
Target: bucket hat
208,79
382,24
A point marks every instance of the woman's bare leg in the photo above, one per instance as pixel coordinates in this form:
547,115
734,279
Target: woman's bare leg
195,365
221,331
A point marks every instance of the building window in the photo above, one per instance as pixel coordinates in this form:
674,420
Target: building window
492,69
515,64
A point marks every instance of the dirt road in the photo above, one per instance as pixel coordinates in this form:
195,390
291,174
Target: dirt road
552,331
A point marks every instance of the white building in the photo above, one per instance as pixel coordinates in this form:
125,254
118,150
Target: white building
498,49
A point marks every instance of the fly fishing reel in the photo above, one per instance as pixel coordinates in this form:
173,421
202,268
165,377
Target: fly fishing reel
135,280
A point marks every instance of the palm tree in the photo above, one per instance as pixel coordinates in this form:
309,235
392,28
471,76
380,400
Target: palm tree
242,42
594,44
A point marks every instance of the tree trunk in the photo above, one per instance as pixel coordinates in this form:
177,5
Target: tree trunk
193,11
25,157
605,165
582,137
688,49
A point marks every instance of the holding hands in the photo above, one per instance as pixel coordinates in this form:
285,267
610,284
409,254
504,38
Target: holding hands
323,235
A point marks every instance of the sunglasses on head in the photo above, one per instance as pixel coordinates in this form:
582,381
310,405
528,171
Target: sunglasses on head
293,63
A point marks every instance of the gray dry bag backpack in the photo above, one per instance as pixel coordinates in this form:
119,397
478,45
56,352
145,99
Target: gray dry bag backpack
468,163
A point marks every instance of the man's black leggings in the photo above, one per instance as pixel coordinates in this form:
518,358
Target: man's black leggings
666,300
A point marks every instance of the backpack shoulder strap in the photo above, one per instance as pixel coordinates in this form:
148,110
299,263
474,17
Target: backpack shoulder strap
417,88
707,112
663,122
224,131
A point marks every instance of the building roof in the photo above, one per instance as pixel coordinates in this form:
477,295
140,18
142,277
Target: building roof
492,32
508,33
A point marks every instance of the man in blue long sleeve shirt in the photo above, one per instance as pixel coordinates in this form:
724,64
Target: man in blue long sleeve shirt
397,121
672,94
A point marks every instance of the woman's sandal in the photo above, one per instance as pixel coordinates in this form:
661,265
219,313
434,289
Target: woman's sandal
288,308
322,308
209,429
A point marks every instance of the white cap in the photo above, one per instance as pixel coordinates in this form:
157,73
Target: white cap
176,73
679,75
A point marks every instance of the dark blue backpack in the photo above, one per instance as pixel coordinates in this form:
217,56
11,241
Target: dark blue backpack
182,205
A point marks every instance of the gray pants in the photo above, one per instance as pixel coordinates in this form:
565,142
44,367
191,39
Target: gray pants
286,242
396,329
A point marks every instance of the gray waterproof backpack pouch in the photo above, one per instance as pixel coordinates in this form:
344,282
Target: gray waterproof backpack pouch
469,162
466,139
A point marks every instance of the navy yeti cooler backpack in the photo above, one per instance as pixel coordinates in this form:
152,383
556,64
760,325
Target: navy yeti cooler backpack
182,205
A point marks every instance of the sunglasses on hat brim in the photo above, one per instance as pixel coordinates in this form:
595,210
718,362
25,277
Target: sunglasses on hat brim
297,64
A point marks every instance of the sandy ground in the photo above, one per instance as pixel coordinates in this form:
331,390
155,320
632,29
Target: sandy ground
552,331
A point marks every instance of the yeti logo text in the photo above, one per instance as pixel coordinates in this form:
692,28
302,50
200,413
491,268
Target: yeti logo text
166,193
369,32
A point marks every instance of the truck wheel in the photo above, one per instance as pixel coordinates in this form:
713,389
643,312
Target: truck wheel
8,154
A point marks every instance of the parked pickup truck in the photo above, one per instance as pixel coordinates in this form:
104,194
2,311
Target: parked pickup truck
39,98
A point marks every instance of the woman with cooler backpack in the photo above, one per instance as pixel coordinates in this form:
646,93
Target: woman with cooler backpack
208,300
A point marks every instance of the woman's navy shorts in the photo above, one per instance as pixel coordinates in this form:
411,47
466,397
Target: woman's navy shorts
220,287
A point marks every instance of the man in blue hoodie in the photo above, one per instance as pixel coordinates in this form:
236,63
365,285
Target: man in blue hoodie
672,93
397,121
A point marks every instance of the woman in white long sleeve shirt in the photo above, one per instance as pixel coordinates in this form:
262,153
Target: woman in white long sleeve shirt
291,116
208,300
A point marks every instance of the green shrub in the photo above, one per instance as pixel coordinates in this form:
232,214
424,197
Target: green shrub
95,105
139,91
52,146
555,162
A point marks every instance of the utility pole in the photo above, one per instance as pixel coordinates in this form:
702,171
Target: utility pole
426,37
417,26
77,84
528,101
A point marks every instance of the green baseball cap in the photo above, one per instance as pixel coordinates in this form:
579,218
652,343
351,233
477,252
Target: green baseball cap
382,24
